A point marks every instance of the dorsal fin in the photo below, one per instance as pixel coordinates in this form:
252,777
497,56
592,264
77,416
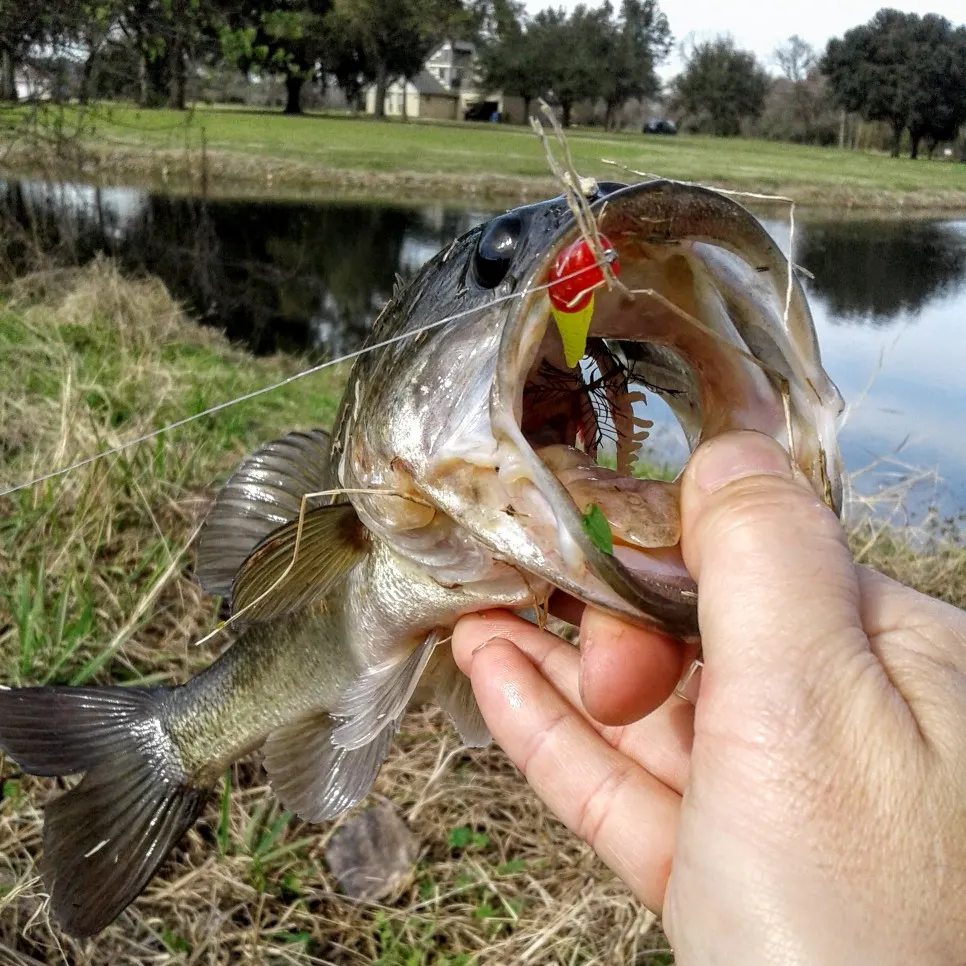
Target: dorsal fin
263,494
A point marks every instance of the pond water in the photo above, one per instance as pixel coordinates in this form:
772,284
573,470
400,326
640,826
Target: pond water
889,297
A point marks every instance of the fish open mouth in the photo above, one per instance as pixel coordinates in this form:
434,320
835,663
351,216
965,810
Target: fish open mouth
703,319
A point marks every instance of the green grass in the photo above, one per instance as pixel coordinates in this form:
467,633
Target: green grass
95,585
87,360
270,150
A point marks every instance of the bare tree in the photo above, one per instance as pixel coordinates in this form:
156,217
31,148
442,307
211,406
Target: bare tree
796,57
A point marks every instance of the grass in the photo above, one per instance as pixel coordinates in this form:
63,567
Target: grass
238,151
95,586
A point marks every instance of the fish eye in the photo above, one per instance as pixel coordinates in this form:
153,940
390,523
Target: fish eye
496,248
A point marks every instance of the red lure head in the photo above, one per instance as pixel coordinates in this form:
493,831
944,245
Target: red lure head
575,273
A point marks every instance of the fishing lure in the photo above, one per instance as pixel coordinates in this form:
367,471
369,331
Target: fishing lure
574,275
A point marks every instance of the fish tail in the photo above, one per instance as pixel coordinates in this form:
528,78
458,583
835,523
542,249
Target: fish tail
105,838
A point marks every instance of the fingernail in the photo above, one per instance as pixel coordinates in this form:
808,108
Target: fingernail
737,456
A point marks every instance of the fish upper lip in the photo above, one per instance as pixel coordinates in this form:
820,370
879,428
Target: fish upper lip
670,604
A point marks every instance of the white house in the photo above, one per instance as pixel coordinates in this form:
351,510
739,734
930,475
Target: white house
447,88
423,96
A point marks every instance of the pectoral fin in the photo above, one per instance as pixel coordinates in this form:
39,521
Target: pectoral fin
379,696
314,778
294,569
264,493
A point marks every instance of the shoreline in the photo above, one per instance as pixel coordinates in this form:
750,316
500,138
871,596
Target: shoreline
230,174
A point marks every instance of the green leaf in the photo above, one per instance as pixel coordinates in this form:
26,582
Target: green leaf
598,529
460,837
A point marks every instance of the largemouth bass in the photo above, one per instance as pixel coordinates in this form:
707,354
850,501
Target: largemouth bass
461,475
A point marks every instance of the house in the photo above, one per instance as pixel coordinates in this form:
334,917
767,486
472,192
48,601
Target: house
423,96
33,84
448,88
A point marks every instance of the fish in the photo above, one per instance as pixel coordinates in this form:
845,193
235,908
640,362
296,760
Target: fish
462,474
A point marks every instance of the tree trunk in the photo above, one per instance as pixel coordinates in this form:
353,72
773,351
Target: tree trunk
293,93
87,79
914,146
526,108
382,81
842,129
566,107
178,77
608,115
144,88
405,98
897,128
8,76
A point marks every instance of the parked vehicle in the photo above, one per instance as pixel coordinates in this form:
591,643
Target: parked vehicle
660,125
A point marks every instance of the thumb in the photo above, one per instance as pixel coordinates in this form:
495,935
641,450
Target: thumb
778,594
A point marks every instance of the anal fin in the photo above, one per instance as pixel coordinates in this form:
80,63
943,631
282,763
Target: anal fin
379,696
313,777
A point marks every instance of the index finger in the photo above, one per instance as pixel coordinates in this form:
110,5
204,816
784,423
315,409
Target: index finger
625,814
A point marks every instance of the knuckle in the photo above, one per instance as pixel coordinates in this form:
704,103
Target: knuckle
540,743
598,803
755,504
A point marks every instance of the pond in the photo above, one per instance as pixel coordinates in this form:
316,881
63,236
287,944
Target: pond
888,295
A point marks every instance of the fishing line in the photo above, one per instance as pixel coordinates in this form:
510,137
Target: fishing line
219,407
588,232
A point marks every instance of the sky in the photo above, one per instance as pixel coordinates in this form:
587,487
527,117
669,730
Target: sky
761,25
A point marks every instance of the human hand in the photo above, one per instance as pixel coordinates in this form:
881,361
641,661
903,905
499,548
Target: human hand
810,807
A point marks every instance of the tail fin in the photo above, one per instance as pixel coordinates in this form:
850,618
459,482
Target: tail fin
105,838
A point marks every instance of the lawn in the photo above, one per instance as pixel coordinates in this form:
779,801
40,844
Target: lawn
245,150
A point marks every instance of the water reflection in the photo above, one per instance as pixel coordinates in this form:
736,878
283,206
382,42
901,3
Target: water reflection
889,297
274,275
875,271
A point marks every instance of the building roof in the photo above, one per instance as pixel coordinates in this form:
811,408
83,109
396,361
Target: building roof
425,83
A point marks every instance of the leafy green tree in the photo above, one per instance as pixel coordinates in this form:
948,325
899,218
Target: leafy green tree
511,58
97,21
572,49
396,36
345,55
721,86
24,25
906,70
284,37
635,44
165,34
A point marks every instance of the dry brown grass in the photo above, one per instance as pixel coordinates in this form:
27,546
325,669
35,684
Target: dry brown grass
93,585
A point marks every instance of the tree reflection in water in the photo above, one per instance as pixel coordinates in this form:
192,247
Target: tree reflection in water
877,271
